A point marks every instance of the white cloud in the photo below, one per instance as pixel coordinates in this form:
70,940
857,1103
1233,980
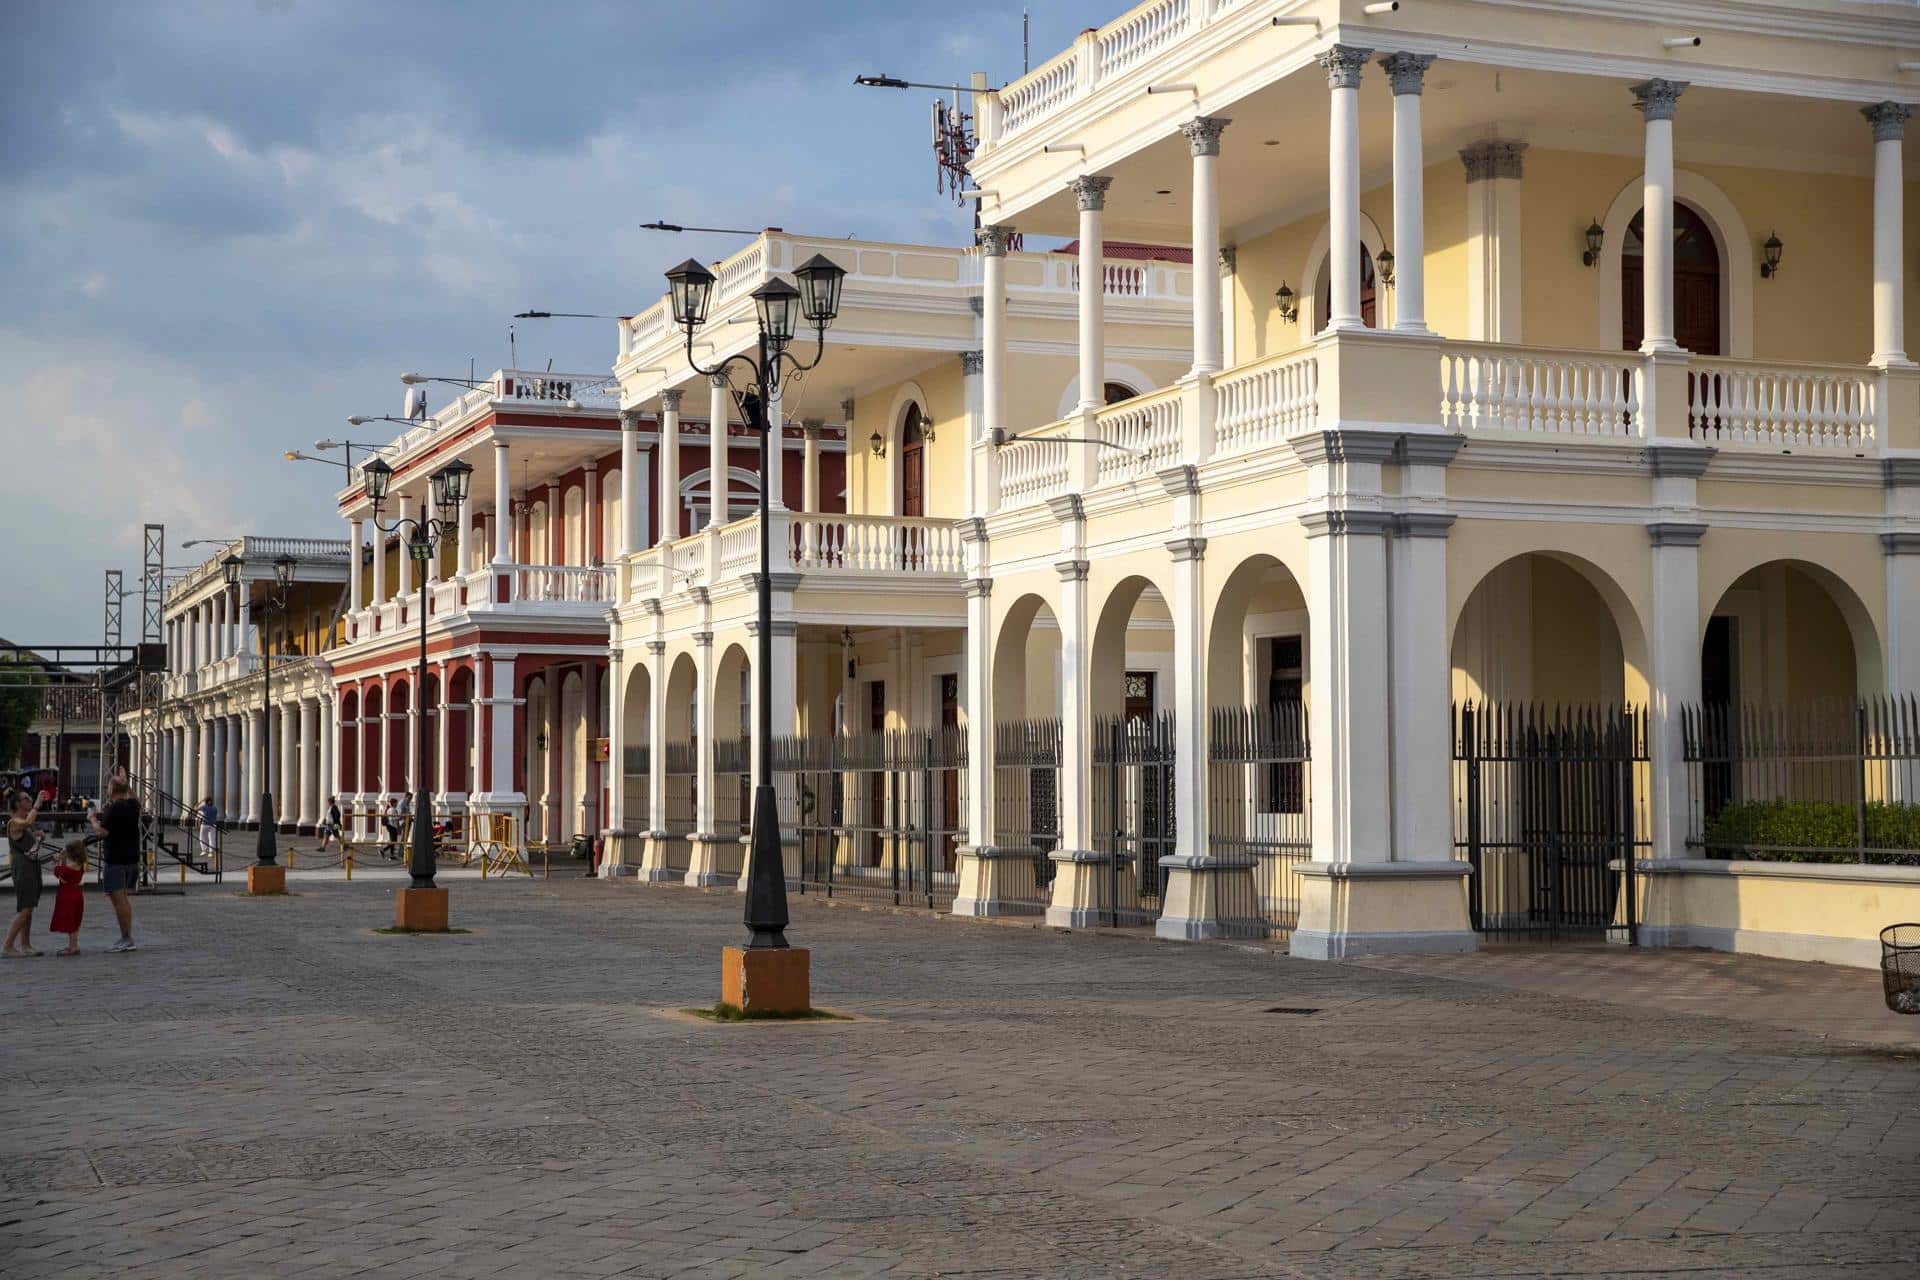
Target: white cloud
94,284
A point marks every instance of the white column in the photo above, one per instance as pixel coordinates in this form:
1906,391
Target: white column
463,544
256,752
719,405
1676,675
1076,709
703,700
810,466
500,726
1889,120
993,369
590,514
1198,916
1902,551
502,504
286,802
1343,64
1657,100
556,754
406,559
379,566
656,736
441,729
669,464
1407,74
1091,194
353,565
1203,140
1348,716
1422,679
776,478
632,532
309,813
329,752
202,762
236,799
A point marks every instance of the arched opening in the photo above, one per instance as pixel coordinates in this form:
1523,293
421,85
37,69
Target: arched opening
400,774
1115,392
349,747
572,801
1786,655
430,707
1257,685
538,759
732,745
1369,291
636,756
373,736
459,710
1026,749
574,527
681,766
1696,283
1550,749
537,534
913,446
741,493
1133,730
612,511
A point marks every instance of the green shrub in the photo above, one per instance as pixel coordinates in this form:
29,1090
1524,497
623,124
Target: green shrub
1813,831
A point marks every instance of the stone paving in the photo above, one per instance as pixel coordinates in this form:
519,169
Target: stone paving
268,1088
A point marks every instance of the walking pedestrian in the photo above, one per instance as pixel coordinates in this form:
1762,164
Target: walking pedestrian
69,905
119,822
23,844
209,826
330,825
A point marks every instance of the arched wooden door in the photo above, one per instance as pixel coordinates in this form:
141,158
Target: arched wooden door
1696,284
1369,293
913,474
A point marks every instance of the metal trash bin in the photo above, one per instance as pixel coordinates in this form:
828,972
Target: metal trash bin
1900,966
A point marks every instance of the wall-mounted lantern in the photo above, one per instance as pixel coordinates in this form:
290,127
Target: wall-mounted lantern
1596,236
1289,304
1770,256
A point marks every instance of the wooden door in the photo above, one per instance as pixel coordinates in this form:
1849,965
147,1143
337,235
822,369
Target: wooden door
913,501
1696,284
949,816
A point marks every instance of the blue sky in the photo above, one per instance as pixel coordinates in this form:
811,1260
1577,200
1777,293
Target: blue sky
227,224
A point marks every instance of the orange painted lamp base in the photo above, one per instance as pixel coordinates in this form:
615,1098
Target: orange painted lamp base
262,881
766,981
420,910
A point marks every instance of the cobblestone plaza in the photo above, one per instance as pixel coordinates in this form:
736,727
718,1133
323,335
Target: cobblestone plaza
269,1088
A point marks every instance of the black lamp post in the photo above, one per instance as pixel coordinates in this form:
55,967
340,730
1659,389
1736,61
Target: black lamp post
423,534
779,306
266,848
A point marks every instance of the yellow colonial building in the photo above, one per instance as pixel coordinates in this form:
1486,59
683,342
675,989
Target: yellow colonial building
1537,398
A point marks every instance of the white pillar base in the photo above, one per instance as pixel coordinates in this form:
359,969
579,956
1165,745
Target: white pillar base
982,877
1079,889
1351,909
1202,891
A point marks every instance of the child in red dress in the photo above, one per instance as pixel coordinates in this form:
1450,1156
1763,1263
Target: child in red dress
68,905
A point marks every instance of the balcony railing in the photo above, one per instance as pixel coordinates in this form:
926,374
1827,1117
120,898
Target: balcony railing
1265,402
1537,391
1143,434
1782,407
1035,468
560,584
874,544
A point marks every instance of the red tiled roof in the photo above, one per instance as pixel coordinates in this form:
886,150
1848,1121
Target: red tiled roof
1126,249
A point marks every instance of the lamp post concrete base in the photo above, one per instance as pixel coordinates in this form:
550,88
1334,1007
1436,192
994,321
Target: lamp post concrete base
766,980
265,881
420,910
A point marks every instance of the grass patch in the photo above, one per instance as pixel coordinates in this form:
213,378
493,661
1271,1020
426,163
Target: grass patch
721,1011
420,933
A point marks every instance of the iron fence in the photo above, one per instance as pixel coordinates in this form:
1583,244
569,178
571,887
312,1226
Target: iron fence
636,768
1026,796
1550,809
1133,817
894,834
1835,780
732,786
1258,810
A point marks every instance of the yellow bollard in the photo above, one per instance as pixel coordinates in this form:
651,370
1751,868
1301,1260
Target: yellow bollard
349,864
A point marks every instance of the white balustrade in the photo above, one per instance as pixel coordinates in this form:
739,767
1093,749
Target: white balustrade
1537,391
1033,470
560,584
1117,279
875,544
740,546
739,272
1737,404
687,560
1133,37
1265,403
1039,93
1141,435
445,596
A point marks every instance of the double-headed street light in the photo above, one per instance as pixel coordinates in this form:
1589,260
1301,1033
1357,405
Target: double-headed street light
779,306
423,534
265,848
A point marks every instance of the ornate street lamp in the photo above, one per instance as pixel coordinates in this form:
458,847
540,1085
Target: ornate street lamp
265,851
779,306
422,535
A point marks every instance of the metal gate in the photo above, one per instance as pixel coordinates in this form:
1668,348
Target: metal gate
1026,793
1549,807
880,815
1257,796
1133,812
